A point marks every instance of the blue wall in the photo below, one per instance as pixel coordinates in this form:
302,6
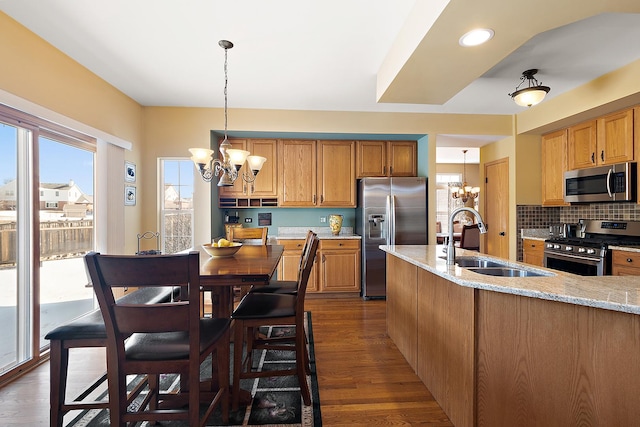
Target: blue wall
287,217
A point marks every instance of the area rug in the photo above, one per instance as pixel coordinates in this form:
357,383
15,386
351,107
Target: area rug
276,400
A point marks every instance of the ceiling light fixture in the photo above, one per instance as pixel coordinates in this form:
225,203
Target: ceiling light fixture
476,37
231,161
531,95
465,192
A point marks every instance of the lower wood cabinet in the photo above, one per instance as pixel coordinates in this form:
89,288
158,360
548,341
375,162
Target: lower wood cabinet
336,269
533,252
624,263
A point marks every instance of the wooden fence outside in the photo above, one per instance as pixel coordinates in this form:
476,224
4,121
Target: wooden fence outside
58,239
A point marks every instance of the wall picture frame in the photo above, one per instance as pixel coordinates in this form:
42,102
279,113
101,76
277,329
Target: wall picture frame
129,195
129,171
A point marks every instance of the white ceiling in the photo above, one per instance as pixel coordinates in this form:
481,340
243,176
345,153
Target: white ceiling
338,55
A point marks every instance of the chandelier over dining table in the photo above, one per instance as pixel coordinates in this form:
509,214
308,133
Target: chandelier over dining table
231,160
464,192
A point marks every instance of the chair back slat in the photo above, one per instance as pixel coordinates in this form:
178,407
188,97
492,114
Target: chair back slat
241,234
164,317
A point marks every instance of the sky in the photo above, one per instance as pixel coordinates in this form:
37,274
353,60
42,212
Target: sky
59,163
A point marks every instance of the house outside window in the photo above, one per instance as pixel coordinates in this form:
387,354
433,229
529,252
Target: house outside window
176,214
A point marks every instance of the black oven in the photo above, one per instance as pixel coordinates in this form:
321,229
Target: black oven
576,264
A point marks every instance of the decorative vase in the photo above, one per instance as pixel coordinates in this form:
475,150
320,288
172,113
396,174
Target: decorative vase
335,223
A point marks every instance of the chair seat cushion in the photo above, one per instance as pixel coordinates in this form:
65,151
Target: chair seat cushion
259,305
277,287
173,345
91,325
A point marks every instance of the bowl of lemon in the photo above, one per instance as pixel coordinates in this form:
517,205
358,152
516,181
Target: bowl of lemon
222,248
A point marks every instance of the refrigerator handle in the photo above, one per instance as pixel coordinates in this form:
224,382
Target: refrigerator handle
391,220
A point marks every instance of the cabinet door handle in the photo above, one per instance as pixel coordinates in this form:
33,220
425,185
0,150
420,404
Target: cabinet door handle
602,155
593,158
629,260
314,199
502,233
384,170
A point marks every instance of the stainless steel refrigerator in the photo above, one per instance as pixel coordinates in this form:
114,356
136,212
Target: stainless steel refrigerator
390,211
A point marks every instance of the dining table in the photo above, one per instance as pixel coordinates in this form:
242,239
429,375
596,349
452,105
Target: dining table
251,265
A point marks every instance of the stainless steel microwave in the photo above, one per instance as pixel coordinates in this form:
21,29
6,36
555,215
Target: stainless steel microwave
612,183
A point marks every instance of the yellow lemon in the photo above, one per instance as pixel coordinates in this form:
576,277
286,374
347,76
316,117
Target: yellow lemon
223,243
214,245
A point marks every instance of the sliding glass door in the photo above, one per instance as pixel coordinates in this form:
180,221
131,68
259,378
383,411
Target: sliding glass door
46,226
66,231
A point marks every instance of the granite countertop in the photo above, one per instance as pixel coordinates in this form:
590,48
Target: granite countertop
618,293
535,233
322,232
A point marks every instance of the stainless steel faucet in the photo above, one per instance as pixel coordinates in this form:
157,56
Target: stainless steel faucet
451,249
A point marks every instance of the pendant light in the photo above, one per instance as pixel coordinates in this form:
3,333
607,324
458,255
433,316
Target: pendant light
533,94
465,192
231,159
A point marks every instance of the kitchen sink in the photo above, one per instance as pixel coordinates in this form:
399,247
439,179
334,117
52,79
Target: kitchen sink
507,272
477,262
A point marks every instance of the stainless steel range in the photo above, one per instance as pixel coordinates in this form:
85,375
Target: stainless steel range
587,253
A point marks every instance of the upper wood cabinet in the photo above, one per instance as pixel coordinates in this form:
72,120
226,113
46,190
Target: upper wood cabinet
582,146
297,173
266,181
386,158
317,173
615,137
554,164
604,141
336,174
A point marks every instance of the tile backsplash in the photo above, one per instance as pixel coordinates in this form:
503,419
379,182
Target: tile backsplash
530,216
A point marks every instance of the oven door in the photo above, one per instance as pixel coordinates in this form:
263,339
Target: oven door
575,264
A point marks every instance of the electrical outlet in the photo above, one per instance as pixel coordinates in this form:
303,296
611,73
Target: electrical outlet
323,219
248,220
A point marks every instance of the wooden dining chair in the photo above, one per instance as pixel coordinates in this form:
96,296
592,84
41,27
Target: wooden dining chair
263,309
163,338
246,235
470,237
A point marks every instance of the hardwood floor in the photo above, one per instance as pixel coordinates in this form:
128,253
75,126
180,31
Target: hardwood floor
363,378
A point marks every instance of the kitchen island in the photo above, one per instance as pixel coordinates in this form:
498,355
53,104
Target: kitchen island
556,350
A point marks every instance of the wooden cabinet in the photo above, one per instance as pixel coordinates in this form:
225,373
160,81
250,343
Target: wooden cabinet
317,173
297,173
533,252
582,145
604,141
290,261
336,269
625,263
554,164
339,265
336,174
386,158
266,183
615,137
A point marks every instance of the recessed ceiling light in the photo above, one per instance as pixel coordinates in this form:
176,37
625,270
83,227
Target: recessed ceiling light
476,37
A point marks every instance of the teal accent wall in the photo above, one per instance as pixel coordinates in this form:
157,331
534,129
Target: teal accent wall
283,217
423,156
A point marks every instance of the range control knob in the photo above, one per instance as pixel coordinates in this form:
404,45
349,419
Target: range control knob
581,250
568,248
556,246
591,251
